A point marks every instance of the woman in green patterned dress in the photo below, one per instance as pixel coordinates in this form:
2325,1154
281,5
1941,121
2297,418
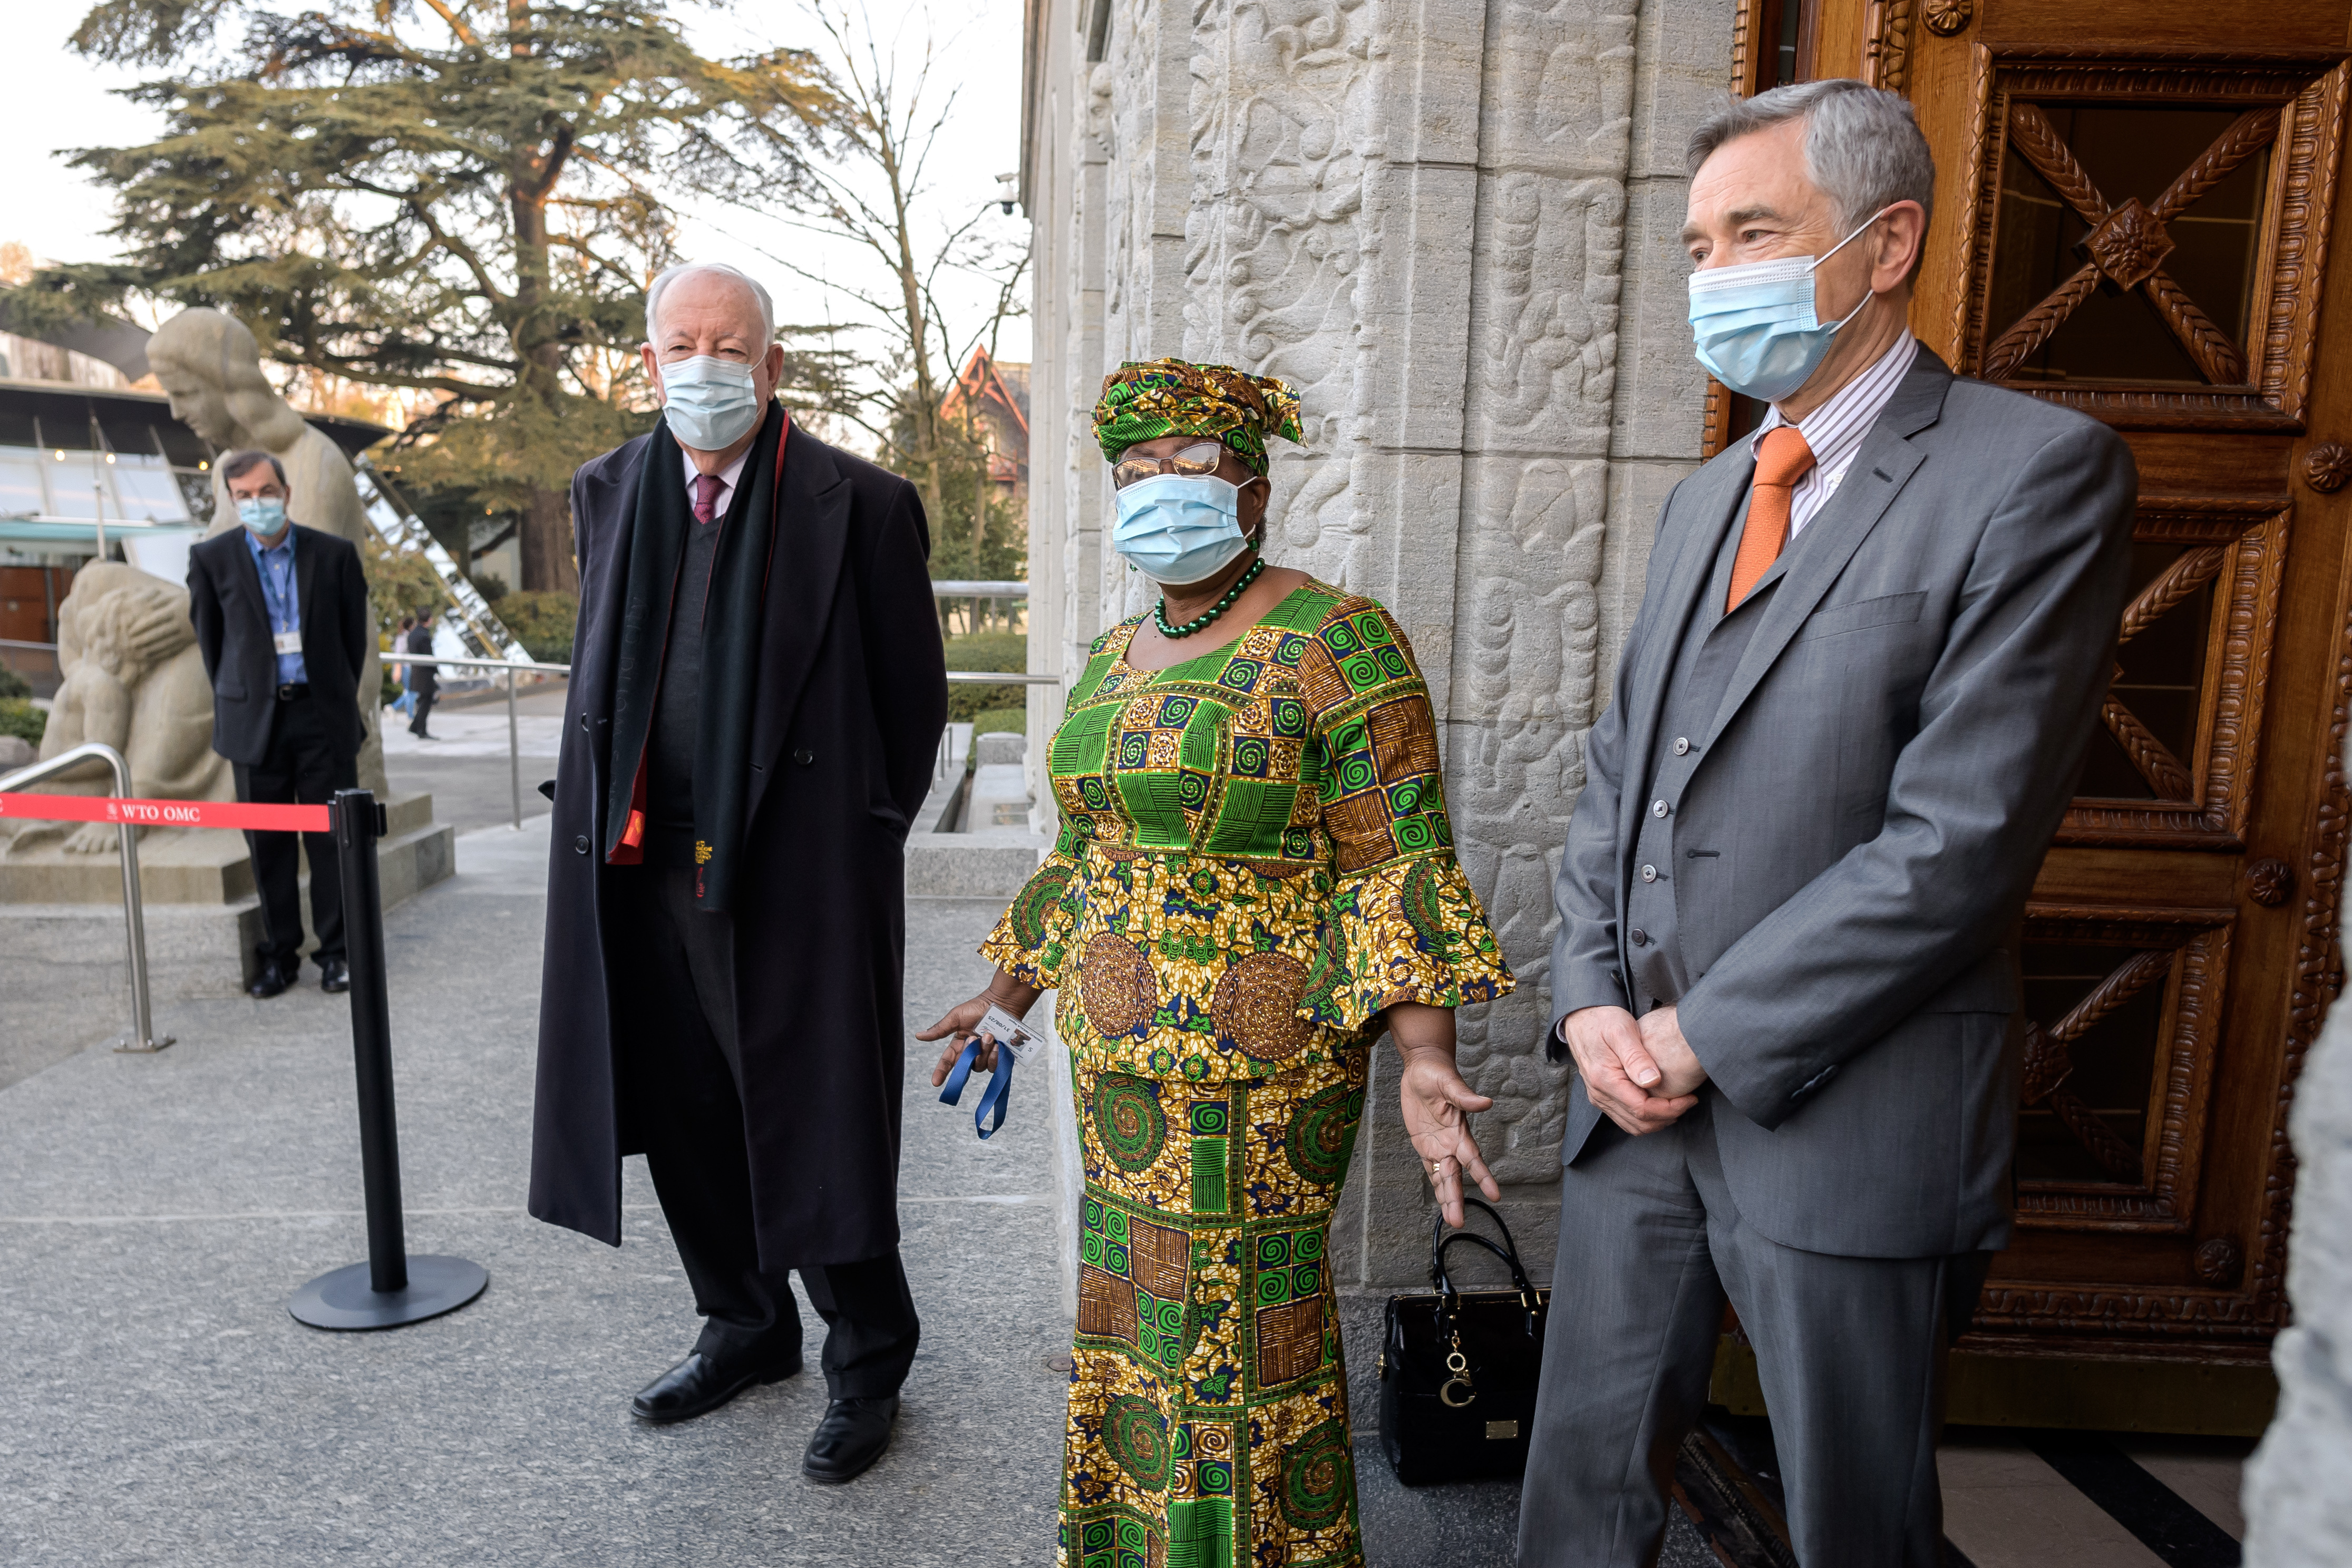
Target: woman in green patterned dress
1254,877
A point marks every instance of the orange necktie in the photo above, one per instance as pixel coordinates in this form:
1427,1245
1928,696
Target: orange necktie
1781,459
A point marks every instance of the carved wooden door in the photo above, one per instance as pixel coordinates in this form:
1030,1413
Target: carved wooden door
2133,209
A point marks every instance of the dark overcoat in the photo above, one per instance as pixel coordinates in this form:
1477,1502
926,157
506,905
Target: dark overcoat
849,705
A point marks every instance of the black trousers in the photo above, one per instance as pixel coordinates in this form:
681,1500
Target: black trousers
304,766
423,705
677,1050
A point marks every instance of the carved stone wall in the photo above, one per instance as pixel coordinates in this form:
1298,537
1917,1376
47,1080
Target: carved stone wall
1452,224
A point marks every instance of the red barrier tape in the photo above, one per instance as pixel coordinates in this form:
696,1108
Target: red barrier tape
169,813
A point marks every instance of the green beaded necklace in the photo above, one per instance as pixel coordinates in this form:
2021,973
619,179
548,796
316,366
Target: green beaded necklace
1159,611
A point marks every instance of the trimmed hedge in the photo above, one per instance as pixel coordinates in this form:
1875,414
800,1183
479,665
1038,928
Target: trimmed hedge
541,620
986,650
19,717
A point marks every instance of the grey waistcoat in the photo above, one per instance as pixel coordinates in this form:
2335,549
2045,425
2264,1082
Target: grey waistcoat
1710,652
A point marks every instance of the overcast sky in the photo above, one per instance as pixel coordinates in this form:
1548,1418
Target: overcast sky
57,99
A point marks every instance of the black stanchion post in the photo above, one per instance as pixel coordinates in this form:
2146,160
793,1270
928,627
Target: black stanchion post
391,1288
355,840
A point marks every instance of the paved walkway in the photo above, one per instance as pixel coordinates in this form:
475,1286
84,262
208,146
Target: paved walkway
157,1404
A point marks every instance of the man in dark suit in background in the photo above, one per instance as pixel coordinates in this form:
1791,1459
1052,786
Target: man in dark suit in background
1867,665
281,614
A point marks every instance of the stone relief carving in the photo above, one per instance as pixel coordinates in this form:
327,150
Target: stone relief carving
1282,128
1523,701
1549,313
1546,294
1291,108
1560,83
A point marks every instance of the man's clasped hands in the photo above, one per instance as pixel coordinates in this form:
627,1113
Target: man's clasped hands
1641,1072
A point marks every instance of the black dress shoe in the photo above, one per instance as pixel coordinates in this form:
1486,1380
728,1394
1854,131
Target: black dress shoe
334,975
850,1438
701,1384
269,981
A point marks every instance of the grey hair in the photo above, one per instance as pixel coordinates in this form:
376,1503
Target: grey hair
660,286
1863,146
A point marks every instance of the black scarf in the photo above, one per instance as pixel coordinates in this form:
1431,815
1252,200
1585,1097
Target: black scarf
730,651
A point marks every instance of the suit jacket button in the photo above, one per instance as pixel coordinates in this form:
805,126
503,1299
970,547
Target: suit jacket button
1639,937
584,722
1659,808
579,845
805,757
1649,874
1682,746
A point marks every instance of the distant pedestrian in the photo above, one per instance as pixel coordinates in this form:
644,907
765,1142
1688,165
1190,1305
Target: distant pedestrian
406,702
423,681
282,616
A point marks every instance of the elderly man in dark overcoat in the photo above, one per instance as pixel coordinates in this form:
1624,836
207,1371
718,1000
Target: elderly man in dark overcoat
757,696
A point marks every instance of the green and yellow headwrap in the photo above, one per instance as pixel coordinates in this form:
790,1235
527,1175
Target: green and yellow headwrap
1143,402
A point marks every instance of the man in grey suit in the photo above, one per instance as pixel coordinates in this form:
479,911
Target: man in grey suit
1846,722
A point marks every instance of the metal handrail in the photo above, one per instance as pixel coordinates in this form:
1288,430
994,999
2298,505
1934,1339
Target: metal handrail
134,917
396,657
514,728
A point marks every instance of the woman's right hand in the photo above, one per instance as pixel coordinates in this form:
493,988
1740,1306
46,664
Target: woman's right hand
957,1024
1015,997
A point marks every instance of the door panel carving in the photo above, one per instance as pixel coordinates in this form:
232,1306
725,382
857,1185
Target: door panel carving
2051,210
2173,760
2123,1011
2190,306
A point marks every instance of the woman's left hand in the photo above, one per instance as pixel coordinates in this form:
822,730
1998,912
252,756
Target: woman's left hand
1437,1102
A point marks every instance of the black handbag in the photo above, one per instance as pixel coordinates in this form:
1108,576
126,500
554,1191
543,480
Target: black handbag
1458,1370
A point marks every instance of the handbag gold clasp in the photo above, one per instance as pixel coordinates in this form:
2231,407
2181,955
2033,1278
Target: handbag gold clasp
1459,1366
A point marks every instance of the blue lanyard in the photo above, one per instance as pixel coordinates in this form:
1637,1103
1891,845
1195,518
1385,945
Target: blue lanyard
1000,1085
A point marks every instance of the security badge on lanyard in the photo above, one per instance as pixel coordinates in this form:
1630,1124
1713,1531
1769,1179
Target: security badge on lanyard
286,642
1014,1043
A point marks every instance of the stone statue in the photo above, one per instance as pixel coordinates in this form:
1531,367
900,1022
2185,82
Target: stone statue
209,365
133,679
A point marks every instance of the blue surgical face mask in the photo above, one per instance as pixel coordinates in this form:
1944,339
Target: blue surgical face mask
263,515
1754,325
1179,529
710,403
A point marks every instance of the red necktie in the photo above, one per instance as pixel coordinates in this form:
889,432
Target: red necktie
1781,459
707,485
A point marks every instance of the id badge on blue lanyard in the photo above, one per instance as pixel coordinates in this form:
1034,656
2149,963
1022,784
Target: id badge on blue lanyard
1014,1043
277,582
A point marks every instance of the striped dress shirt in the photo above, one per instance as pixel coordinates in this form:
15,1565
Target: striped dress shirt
1836,430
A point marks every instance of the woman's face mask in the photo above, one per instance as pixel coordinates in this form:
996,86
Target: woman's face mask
1179,529
1754,325
710,403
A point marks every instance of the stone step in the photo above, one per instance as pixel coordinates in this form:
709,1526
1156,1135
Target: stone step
987,864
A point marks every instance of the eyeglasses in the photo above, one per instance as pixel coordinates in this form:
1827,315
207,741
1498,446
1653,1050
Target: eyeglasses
1201,457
